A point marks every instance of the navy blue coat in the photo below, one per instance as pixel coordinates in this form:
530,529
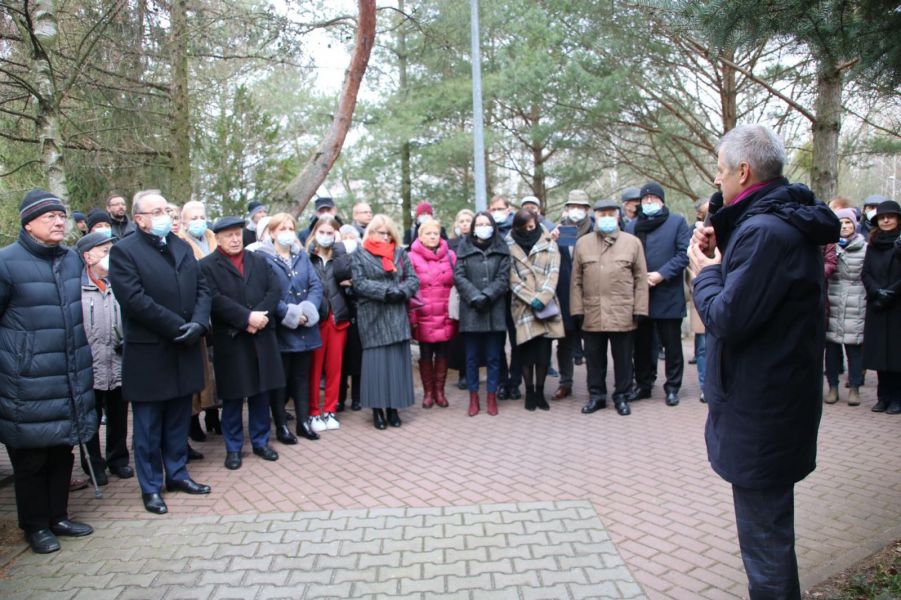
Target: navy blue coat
46,370
159,288
666,252
764,310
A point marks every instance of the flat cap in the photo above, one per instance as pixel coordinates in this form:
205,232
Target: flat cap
606,204
579,197
630,193
92,240
224,223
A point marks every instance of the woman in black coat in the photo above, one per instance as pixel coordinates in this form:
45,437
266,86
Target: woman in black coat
247,362
482,277
881,277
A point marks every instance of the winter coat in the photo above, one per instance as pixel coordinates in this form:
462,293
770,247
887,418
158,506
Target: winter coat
667,253
564,281
208,235
882,331
763,309
103,326
46,397
297,282
534,276
435,270
610,282
159,288
847,296
331,273
245,364
382,323
122,228
479,271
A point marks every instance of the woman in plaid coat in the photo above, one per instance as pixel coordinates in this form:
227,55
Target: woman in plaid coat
534,270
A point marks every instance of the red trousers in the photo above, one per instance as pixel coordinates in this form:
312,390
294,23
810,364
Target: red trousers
327,357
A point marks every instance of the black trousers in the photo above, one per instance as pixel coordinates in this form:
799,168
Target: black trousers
834,363
888,387
41,478
568,347
669,333
511,374
297,378
111,402
351,365
596,358
766,534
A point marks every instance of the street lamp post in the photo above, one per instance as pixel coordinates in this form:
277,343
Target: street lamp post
477,126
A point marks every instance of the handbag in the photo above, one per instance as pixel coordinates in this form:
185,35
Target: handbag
453,304
550,310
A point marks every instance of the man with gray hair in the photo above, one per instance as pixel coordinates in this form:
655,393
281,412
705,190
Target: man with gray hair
759,290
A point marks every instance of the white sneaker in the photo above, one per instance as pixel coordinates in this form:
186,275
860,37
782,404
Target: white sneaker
317,424
330,421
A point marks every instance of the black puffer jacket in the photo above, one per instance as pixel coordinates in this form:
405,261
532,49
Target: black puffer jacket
483,271
46,376
331,274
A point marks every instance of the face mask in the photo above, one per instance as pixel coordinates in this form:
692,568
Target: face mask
421,219
197,228
457,232
324,240
607,224
870,214
499,216
107,231
576,214
350,246
161,225
484,232
285,238
104,263
651,209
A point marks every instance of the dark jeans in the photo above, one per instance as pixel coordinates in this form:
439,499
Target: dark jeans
596,357
111,402
257,422
568,347
888,388
41,477
297,386
160,431
669,333
766,534
701,357
492,345
834,364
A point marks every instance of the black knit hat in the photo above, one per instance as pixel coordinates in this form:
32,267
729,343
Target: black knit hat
98,216
254,207
652,188
38,202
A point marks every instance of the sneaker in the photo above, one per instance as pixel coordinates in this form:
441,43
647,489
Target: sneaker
330,421
317,424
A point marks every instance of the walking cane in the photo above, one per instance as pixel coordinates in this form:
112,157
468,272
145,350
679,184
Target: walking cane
84,451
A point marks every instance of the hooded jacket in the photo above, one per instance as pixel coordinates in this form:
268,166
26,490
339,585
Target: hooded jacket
103,326
435,270
763,307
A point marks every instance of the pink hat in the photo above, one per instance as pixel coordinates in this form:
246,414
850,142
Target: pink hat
847,213
423,207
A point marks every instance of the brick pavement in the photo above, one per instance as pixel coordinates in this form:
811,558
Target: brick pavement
646,476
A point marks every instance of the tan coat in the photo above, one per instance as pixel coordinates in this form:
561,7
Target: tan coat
534,276
609,282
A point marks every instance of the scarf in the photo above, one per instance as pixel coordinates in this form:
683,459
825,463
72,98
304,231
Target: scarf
237,260
884,239
384,250
526,239
644,225
98,281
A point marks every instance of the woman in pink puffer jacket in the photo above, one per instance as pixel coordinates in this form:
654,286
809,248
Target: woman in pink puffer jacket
433,262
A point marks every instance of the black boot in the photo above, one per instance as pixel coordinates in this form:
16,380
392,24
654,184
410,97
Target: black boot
355,405
378,418
195,432
211,420
284,435
393,417
530,398
540,400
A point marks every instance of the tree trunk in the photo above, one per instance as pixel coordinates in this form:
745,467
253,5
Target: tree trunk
539,184
302,187
406,183
828,105
180,185
729,93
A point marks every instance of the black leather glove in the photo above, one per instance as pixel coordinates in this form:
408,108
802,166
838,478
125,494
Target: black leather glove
639,319
882,299
481,302
578,320
395,295
191,333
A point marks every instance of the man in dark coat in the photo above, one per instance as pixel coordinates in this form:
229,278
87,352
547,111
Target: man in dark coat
165,311
47,399
255,212
665,238
118,213
760,292
248,365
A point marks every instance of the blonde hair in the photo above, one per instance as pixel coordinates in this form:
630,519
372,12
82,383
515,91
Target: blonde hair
381,220
278,219
430,222
325,219
460,215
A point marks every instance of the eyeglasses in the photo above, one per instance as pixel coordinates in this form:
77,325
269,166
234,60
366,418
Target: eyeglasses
155,213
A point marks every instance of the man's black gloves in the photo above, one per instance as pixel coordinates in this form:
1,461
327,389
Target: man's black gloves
395,295
191,333
882,299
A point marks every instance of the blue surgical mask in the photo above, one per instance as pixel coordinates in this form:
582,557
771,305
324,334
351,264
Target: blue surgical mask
285,239
197,228
324,240
161,225
484,232
651,209
607,224
105,230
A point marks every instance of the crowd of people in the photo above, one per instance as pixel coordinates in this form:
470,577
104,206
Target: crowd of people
181,316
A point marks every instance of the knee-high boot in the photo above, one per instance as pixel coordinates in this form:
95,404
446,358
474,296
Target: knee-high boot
440,380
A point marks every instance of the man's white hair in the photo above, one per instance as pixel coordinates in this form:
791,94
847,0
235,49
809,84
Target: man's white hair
757,145
191,205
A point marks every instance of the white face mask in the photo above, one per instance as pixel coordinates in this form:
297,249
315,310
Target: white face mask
484,232
285,238
576,214
457,231
499,216
324,240
421,219
350,245
870,214
104,263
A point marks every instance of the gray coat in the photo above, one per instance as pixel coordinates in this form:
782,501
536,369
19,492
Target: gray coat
483,272
382,323
847,295
103,325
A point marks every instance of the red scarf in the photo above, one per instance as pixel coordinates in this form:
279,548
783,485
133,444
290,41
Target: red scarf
384,250
237,260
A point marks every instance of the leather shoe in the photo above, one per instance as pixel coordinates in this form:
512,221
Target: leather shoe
514,392
503,393
305,431
67,528
284,435
393,417
266,453
638,394
189,486
42,541
154,503
622,407
595,404
894,408
233,460
124,472
880,406
194,454
378,418
355,405
564,391
672,398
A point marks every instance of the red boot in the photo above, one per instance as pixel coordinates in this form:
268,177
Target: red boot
427,374
492,403
473,404
439,381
